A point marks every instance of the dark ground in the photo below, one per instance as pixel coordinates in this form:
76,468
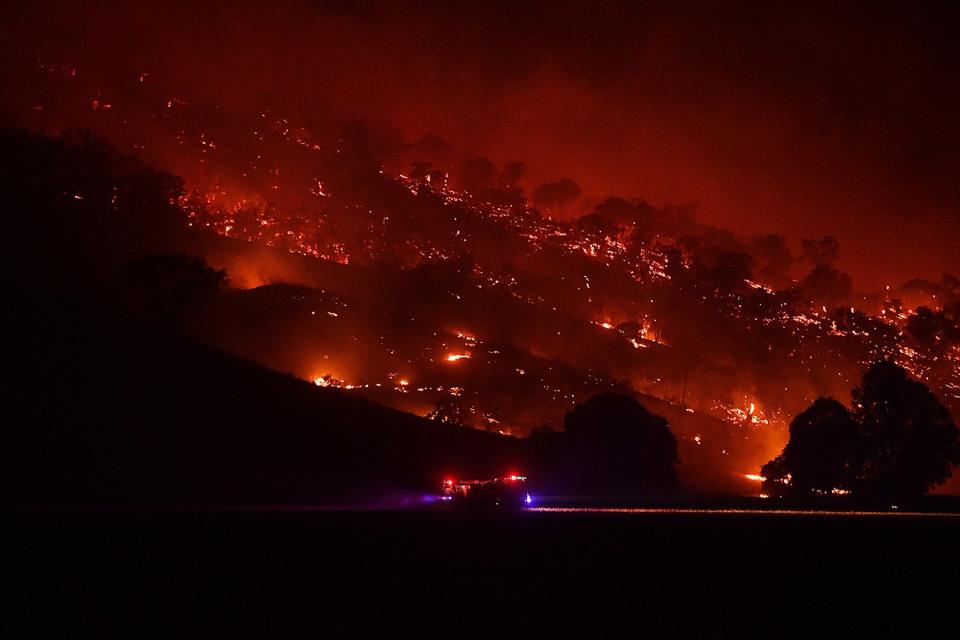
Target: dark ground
283,573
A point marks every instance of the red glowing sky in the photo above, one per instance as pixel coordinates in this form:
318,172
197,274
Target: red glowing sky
800,121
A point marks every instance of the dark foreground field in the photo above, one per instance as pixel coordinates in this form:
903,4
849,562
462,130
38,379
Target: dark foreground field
276,574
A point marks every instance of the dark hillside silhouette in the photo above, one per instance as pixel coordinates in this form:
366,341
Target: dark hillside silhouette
101,412
108,401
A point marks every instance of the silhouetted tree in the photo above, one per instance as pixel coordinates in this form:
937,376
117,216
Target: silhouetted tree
165,286
541,434
627,212
821,454
912,442
716,267
511,174
362,143
923,328
147,192
951,286
675,265
825,286
898,441
773,260
611,445
597,225
477,175
556,194
777,477
730,270
934,331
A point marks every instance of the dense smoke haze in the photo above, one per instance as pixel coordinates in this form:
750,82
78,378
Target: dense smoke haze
801,121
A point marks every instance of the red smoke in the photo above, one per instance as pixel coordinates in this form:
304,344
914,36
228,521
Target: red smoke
772,119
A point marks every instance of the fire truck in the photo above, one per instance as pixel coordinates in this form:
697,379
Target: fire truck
508,491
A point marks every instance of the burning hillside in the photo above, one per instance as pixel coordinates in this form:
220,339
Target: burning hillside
428,280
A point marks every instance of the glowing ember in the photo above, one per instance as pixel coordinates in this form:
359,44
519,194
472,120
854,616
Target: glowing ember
453,357
328,380
754,477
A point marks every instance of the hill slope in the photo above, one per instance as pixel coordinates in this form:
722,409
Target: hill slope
105,411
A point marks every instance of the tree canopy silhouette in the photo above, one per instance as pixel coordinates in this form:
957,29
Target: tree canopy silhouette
556,194
611,445
824,442
898,441
165,286
934,331
912,442
825,285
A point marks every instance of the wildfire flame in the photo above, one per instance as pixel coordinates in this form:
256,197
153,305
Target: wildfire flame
239,209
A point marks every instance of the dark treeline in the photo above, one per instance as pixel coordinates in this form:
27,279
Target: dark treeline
897,441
